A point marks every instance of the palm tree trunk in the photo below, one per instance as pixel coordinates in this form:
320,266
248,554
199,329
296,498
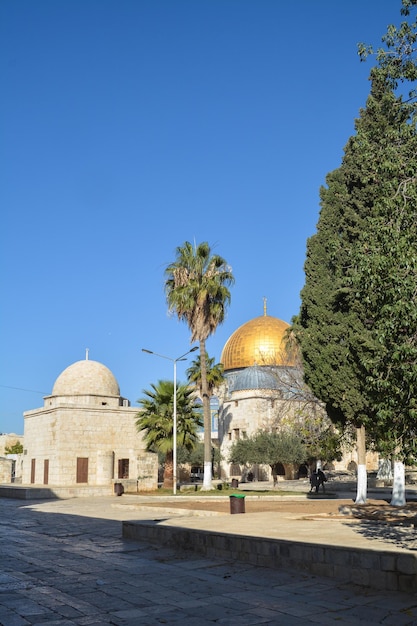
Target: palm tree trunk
207,480
169,471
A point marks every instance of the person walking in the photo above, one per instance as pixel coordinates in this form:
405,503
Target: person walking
321,479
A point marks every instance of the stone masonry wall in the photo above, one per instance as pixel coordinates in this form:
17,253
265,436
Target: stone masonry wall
102,434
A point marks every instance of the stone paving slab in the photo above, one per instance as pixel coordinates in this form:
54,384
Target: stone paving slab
65,563
349,550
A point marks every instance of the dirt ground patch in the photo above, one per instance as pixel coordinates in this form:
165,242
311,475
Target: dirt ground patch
375,510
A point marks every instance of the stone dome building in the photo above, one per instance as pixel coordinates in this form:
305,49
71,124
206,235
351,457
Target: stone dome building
84,438
257,363
260,390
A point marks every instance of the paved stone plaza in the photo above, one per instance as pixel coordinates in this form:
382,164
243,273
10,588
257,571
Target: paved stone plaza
65,563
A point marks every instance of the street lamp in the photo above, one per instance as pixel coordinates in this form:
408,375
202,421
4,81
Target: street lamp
174,426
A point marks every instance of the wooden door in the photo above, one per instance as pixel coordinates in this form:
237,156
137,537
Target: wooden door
82,470
46,471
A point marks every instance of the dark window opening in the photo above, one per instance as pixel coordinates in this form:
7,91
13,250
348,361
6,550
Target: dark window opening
123,468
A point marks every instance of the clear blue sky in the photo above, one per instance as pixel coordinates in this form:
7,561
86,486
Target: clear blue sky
129,127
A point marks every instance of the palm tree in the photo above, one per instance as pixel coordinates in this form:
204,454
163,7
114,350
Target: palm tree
156,418
214,374
196,288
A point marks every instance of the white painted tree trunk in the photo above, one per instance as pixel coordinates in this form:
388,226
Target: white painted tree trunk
362,484
207,484
361,490
398,486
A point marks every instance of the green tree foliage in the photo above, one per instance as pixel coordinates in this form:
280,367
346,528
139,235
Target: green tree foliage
197,291
397,58
156,420
357,323
326,323
384,283
195,456
16,448
268,448
321,439
215,375
306,418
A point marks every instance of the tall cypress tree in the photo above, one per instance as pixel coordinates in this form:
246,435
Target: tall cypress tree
385,281
357,271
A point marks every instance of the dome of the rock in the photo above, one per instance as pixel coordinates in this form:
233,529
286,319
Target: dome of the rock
261,341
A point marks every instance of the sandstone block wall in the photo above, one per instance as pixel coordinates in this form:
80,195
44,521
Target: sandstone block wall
105,434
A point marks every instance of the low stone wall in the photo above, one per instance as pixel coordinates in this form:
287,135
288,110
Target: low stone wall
384,570
23,492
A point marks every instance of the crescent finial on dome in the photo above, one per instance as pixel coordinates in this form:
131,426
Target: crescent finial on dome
264,305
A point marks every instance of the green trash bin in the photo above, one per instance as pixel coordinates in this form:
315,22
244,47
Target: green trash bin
237,503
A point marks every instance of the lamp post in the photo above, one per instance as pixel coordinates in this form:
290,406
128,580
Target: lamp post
174,425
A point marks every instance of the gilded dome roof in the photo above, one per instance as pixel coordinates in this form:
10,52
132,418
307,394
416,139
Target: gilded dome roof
86,378
260,341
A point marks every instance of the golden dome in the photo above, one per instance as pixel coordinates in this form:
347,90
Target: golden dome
261,341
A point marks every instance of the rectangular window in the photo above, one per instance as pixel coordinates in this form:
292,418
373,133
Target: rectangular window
236,433
32,470
123,469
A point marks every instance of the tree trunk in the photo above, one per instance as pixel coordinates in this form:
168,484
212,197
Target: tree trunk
169,471
398,486
361,493
207,480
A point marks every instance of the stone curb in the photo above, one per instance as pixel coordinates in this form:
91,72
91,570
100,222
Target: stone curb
382,570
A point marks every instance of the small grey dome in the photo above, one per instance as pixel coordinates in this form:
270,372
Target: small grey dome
255,377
